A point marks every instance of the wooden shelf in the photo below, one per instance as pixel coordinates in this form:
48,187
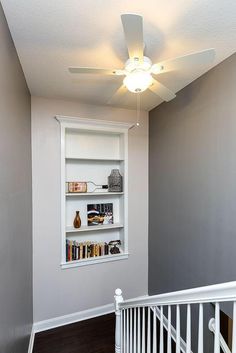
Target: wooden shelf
93,228
94,260
93,194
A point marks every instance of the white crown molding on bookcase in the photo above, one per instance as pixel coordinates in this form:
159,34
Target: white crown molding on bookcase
96,123
74,317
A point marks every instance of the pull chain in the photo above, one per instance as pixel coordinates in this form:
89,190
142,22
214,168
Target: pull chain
138,108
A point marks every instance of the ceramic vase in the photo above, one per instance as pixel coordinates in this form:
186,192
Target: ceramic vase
77,220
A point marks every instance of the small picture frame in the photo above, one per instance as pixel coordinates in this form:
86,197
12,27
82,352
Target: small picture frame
98,214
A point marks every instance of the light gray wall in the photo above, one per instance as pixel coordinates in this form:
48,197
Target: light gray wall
15,201
59,292
192,234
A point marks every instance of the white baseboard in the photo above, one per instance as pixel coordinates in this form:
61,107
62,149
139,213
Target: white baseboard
31,341
71,318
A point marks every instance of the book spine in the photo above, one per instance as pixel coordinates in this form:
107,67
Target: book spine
85,250
67,252
70,259
81,251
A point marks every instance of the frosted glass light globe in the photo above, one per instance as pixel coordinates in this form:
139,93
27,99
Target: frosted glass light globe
138,81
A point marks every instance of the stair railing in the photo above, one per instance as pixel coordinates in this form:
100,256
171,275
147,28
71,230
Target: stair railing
223,344
136,319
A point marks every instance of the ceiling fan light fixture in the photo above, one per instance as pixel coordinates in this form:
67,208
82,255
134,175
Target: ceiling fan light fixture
138,81
138,69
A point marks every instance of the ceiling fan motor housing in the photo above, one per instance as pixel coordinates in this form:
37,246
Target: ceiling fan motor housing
136,63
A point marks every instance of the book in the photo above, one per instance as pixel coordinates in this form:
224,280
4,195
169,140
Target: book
85,250
98,214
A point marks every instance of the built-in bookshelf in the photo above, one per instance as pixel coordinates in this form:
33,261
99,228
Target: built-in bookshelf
90,149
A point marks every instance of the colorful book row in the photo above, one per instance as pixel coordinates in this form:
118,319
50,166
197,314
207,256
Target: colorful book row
85,250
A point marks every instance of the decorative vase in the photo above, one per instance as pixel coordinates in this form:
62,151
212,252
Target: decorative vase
115,181
77,220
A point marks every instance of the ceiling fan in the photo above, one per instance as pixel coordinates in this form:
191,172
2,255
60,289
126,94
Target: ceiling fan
139,70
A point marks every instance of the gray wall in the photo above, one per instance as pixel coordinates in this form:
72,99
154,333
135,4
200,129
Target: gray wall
15,201
192,187
192,224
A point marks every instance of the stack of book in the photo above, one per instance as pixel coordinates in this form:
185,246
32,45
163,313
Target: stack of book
85,250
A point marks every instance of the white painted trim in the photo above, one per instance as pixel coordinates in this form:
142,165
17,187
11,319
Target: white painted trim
93,122
31,341
223,344
94,260
111,127
183,345
74,317
208,294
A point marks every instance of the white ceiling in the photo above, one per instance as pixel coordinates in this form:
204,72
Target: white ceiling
51,35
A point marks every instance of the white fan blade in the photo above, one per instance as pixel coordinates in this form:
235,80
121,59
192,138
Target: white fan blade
118,95
203,57
162,91
133,30
91,70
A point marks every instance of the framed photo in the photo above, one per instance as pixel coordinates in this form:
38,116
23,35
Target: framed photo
100,214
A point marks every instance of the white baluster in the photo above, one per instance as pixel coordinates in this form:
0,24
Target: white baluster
234,329
177,329
169,331
131,331
124,331
200,329
135,330
154,338
188,333
118,299
143,331
217,329
127,330
139,334
149,333
161,350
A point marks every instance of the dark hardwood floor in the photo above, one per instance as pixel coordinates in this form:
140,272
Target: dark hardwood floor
91,336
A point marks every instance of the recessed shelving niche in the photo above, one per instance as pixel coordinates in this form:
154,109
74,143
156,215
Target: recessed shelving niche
90,149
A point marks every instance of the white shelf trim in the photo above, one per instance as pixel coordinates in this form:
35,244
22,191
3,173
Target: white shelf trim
94,159
73,194
93,228
94,260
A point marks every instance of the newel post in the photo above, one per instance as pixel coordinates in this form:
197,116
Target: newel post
118,299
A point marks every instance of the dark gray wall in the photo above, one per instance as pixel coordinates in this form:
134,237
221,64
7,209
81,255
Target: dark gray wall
192,189
15,201
192,234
